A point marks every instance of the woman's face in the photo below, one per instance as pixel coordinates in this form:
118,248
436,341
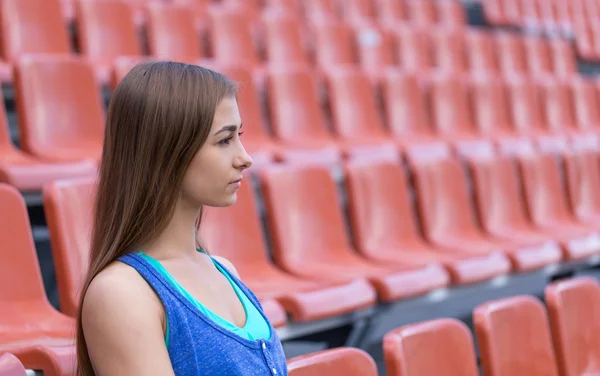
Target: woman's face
215,172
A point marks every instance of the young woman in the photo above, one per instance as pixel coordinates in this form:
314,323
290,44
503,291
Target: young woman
154,301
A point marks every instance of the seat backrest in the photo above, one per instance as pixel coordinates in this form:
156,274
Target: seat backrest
413,48
544,190
525,107
564,60
320,9
449,97
68,205
481,52
514,337
32,26
20,275
539,58
451,13
422,12
379,206
573,306
410,350
231,36
498,193
375,47
557,104
106,30
63,89
582,173
358,10
353,105
295,110
511,53
490,104
5,137
334,43
443,197
172,33
391,12
343,361
586,103
10,365
248,246
304,219
449,49
283,38
406,111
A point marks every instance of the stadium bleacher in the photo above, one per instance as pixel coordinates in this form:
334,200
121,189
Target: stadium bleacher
425,193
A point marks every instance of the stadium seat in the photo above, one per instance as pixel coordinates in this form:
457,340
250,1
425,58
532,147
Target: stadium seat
303,299
297,119
514,338
283,38
375,49
386,230
582,173
450,217
316,10
106,30
32,26
274,312
557,103
355,114
564,60
511,53
30,327
585,102
481,53
312,242
231,36
10,365
333,43
548,206
358,11
538,56
413,48
450,13
502,212
171,30
28,173
390,12
423,13
572,307
341,361
61,114
430,348
449,49
406,110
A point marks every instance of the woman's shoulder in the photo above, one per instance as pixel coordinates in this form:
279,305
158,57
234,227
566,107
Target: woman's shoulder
228,264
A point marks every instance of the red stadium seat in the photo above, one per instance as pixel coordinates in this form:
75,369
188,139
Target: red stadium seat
106,30
358,11
385,227
451,13
316,10
538,56
284,43
557,104
334,43
514,338
10,365
422,12
274,312
585,102
65,91
172,33
231,37
375,49
411,349
481,52
391,12
413,48
449,49
582,172
303,299
30,327
564,60
511,53
312,243
572,306
344,361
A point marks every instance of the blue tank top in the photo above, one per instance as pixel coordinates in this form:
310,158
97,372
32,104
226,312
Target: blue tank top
198,345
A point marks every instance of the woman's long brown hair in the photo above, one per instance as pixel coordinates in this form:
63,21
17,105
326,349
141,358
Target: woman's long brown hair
158,118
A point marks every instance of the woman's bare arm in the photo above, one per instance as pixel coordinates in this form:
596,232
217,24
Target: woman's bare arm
123,325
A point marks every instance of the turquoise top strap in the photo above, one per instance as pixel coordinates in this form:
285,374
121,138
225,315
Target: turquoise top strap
255,328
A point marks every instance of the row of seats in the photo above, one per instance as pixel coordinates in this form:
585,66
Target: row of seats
417,109
518,218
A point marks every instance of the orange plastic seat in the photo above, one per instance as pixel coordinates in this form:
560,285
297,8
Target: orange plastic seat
422,12
406,111
375,49
297,120
358,11
303,299
512,57
411,349
564,60
391,12
342,361
334,43
385,227
283,38
172,33
65,91
312,242
481,53
582,173
548,206
572,306
316,10
449,49
26,172
355,114
502,213
231,36
413,48
538,56
557,103
451,13
585,103
32,26
274,312
106,30
30,327
514,338
10,365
